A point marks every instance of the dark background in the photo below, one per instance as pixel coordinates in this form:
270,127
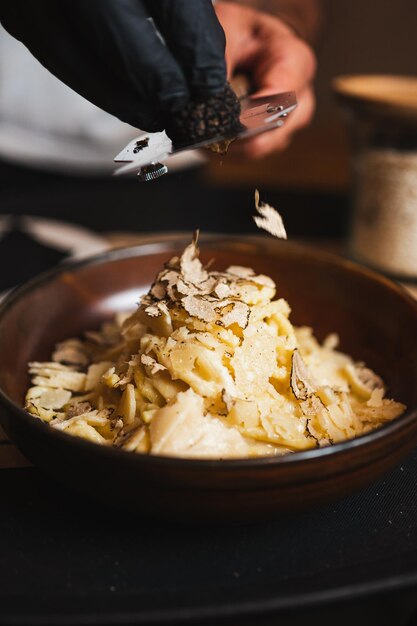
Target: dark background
61,554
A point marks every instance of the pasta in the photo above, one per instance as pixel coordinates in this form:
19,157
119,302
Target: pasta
208,366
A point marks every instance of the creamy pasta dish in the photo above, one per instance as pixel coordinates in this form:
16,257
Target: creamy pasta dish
208,366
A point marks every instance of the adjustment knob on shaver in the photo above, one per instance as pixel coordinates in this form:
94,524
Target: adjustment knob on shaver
152,171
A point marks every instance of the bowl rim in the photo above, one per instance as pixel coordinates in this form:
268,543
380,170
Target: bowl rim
152,244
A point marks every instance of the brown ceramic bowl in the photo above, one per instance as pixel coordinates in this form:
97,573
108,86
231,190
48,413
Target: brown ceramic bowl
377,323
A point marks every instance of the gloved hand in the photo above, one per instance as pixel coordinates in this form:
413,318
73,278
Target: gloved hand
110,52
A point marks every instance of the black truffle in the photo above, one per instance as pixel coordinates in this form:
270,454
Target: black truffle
204,119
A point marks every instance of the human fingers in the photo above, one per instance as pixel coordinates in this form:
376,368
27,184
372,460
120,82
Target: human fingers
283,64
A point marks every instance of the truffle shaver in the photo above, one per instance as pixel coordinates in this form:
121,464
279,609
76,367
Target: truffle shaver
147,155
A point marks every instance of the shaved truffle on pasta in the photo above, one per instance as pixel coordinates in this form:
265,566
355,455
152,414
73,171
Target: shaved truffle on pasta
208,366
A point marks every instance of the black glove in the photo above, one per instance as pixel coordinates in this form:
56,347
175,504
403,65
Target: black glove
110,52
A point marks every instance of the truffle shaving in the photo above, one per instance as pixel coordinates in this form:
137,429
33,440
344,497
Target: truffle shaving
190,265
78,409
158,291
71,352
151,364
203,295
238,315
300,381
200,308
269,219
220,147
221,290
241,272
368,377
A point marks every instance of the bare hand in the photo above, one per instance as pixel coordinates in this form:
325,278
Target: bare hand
275,59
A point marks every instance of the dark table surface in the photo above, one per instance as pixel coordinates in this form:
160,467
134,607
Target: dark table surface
68,560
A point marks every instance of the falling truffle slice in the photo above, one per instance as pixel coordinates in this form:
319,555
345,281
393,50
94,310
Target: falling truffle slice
269,219
204,119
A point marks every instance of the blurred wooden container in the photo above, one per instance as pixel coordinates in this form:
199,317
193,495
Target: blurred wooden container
381,112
